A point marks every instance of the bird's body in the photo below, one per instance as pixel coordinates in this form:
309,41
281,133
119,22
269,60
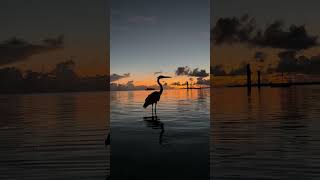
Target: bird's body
154,97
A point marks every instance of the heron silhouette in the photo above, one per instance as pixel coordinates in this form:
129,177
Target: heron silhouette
154,97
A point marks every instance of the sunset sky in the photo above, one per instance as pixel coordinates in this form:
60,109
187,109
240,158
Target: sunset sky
83,24
264,12
149,36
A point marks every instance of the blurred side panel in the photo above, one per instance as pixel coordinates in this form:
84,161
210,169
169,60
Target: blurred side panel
54,67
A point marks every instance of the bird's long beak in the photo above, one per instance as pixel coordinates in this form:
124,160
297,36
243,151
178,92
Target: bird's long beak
166,77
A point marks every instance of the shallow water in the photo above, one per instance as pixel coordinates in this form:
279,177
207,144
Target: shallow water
176,146
272,134
54,136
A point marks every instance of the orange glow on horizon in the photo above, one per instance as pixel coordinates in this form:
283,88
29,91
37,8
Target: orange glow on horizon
152,81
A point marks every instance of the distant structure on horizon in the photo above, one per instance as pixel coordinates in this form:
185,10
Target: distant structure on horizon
191,87
148,89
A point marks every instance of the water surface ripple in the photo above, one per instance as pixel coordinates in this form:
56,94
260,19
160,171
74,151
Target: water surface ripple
176,146
54,136
272,134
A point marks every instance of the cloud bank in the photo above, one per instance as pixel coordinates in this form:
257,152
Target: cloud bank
16,50
275,35
187,71
290,63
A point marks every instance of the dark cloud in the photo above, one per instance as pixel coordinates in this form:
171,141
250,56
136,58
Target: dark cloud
201,81
287,62
233,30
182,71
275,35
130,82
186,71
290,63
116,77
54,42
270,69
130,85
218,70
199,73
241,70
260,56
176,84
158,72
16,50
185,83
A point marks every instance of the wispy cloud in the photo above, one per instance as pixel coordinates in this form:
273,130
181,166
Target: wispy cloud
158,72
176,83
116,77
142,19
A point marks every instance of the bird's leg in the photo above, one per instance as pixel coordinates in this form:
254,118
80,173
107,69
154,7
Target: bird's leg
155,109
152,109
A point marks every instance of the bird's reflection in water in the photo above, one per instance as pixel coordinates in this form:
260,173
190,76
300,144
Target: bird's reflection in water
107,144
155,123
107,140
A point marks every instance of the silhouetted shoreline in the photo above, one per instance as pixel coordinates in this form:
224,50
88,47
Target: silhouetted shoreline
61,79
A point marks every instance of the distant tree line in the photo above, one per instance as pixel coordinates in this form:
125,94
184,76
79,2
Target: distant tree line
62,78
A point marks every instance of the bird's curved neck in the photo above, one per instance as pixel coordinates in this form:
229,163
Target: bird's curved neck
161,88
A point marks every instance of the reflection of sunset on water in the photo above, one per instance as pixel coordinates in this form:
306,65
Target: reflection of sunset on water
127,97
61,134
177,134
273,128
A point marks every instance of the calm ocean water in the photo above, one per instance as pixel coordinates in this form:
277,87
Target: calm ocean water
54,136
176,146
272,134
